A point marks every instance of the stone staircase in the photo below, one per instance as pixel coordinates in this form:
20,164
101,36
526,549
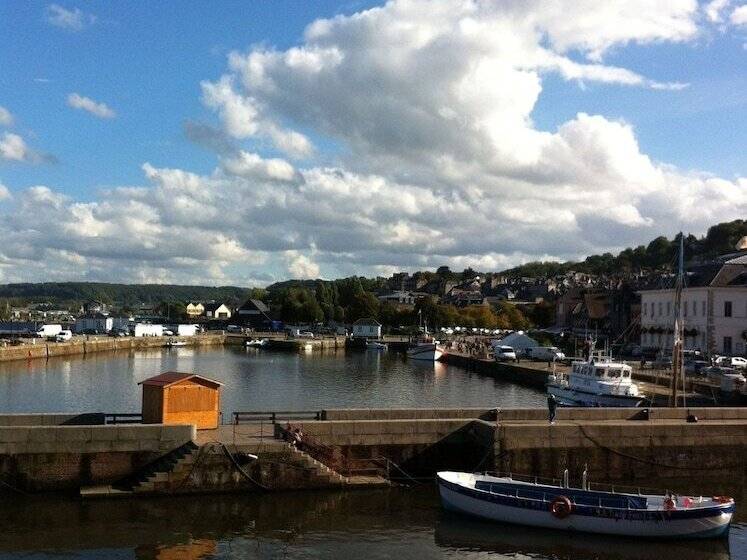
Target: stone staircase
319,474
162,475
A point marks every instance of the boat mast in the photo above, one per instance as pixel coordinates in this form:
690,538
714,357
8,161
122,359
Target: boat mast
678,337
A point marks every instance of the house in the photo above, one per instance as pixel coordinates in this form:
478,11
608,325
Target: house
367,328
714,309
254,314
195,309
398,297
217,311
94,306
94,322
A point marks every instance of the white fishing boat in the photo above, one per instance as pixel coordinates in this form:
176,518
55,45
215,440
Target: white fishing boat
257,342
508,500
598,381
374,345
425,351
175,343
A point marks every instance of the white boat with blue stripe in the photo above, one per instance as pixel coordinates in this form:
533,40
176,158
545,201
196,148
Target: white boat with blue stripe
508,500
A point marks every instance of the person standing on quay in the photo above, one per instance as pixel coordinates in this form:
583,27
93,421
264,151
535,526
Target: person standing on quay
552,405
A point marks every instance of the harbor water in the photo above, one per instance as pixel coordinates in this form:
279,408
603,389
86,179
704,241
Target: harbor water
405,523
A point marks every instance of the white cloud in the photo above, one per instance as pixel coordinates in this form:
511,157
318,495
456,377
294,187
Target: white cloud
71,20
714,10
739,15
301,266
4,192
6,119
13,147
100,110
440,161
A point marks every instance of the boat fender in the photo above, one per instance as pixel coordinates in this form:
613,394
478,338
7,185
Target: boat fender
561,507
669,503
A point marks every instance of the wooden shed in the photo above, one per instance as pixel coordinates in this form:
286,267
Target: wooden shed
181,398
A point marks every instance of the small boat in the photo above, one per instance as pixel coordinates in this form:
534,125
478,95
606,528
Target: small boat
597,381
175,343
425,351
374,345
507,500
257,342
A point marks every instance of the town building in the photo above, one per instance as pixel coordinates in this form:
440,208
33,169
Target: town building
367,328
195,309
255,314
93,323
217,311
714,309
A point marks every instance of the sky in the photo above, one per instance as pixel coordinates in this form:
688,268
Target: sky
244,143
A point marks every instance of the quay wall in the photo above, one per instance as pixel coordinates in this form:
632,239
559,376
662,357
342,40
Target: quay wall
44,349
625,451
57,457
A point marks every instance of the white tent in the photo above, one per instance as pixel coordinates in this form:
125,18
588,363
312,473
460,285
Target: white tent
517,340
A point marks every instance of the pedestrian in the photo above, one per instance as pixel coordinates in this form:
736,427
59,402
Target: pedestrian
552,405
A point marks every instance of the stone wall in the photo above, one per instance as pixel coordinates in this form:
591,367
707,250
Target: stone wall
406,413
46,457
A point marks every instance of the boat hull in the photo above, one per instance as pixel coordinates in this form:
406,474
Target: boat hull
651,524
574,397
425,353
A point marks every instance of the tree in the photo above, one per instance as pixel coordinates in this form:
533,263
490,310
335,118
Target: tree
365,305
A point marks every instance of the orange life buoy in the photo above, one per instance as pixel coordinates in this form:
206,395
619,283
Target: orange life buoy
561,507
669,503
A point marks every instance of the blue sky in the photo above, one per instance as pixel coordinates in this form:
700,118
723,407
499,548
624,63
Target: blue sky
501,115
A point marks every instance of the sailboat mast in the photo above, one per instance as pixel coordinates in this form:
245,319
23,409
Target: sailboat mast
678,336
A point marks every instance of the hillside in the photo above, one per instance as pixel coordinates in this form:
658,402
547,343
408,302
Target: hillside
127,294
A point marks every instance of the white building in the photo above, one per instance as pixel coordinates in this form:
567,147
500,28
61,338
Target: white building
714,306
186,330
96,322
146,329
217,311
367,328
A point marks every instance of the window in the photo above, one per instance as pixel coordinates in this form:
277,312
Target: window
669,308
685,308
660,307
727,309
727,345
695,309
645,308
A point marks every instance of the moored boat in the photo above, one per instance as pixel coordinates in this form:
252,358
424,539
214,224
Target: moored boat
257,342
598,381
374,345
425,351
175,343
507,500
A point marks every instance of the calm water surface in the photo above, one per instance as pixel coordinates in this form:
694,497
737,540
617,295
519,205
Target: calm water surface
254,379
403,524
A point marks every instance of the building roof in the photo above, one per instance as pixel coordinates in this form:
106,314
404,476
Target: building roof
213,305
173,377
255,304
367,321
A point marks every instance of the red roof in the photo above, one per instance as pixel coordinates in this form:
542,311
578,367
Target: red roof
172,377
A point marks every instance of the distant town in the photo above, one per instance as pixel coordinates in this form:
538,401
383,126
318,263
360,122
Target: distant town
623,301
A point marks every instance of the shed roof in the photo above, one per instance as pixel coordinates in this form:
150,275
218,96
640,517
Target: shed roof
367,321
172,377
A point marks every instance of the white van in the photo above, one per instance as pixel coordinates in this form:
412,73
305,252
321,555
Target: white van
63,336
504,354
545,353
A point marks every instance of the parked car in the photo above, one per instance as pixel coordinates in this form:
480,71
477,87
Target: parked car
235,329
545,353
63,336
504,354
305,334
732,361
696,367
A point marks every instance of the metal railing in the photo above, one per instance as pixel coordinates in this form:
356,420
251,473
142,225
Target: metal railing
275,416
123,418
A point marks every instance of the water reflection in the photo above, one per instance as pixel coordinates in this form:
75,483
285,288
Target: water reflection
395,523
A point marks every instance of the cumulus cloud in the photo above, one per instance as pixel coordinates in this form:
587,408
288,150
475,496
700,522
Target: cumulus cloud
739,15
439,159
14,148
100,110
6,119
71,20
4,193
